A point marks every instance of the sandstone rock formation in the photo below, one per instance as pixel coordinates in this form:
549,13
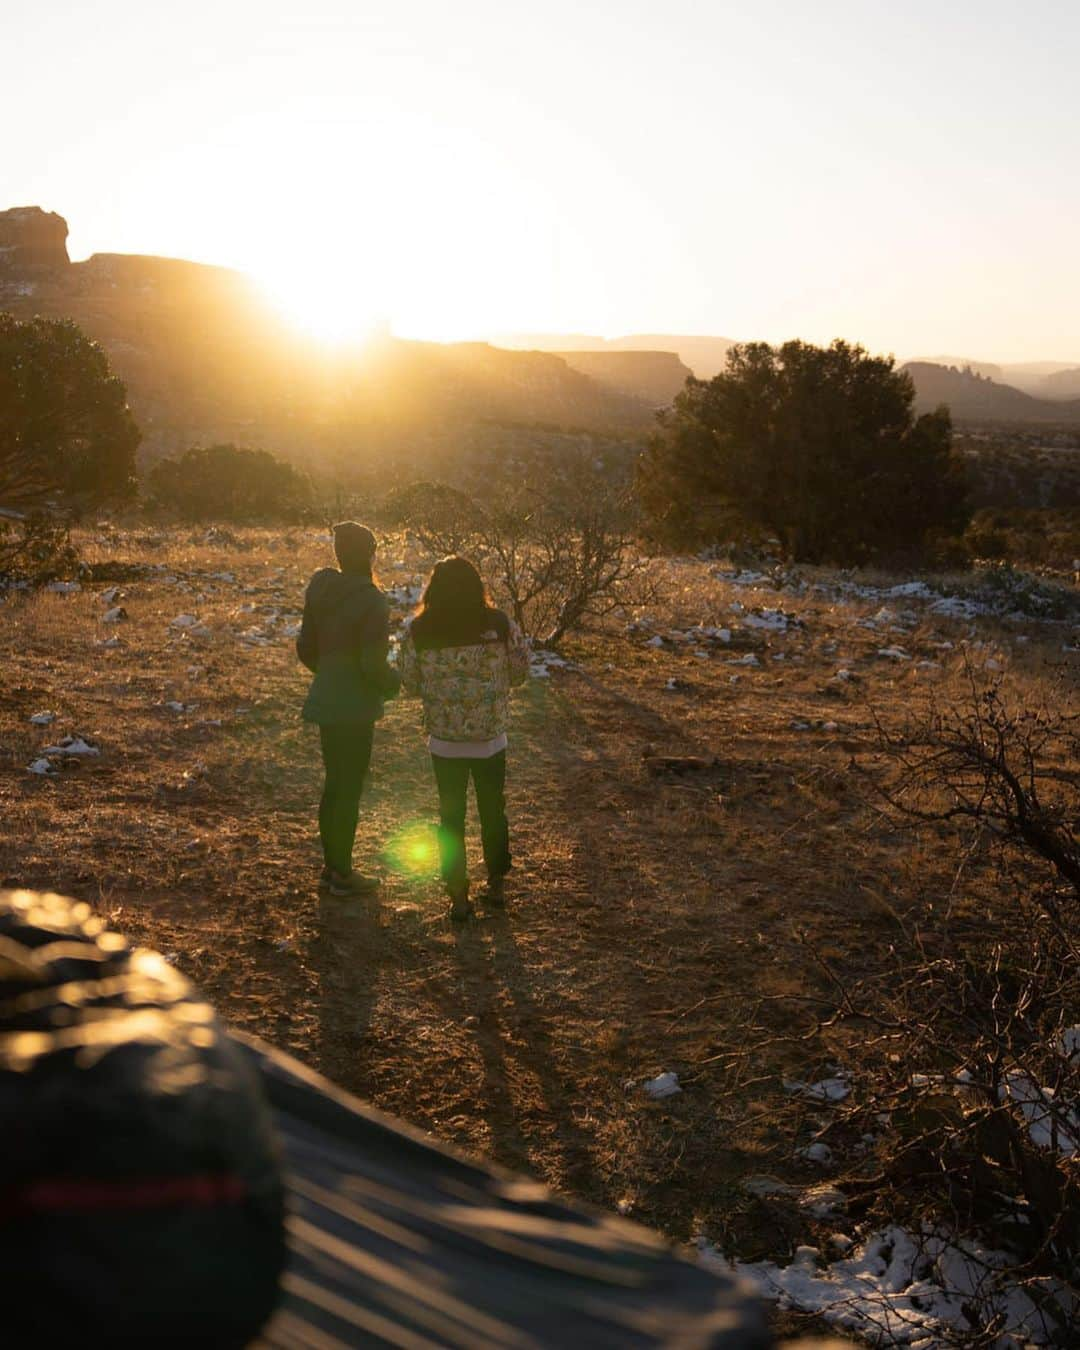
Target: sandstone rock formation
32,240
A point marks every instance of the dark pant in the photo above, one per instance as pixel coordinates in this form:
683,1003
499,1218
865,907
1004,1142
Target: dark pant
346,752
489,781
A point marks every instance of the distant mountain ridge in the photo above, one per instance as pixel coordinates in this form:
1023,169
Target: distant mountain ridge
974,397
206,358
704,356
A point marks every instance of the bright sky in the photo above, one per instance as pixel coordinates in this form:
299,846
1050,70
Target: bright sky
901,174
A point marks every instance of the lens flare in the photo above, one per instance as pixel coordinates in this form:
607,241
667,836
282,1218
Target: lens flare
414,850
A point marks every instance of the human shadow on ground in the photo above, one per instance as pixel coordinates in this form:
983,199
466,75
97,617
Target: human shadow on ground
517,1051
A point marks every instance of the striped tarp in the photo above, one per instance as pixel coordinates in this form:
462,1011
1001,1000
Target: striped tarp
397,1241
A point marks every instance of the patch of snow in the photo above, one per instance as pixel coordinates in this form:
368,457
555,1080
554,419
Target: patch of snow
63,587
822,1202
108,595
42,719
772,620
833,1089
818,1153
750,659
894,653
1069,1042
896,1289
42,766
72,745
743,578
542,663
185,621
114,615
1051,1124
910,590
663,1085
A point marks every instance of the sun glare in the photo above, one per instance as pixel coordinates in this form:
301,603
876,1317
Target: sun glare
330,309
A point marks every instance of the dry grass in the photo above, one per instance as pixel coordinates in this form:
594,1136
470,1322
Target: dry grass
648,918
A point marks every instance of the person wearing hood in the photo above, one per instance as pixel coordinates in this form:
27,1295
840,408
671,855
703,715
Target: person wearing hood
344,641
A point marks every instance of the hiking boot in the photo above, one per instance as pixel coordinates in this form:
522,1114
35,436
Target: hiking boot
352,884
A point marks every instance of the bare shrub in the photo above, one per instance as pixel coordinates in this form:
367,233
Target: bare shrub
557,550
444,519
963,1048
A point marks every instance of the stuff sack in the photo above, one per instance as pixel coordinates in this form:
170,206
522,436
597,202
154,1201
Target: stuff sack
141,1200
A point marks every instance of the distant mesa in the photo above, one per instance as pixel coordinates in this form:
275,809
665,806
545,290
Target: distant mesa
653,377
207,358
32,239
704,356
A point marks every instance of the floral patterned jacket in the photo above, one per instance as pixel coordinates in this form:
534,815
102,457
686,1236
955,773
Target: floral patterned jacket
466,689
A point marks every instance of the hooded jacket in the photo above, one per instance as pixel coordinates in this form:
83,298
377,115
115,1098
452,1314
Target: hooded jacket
343,642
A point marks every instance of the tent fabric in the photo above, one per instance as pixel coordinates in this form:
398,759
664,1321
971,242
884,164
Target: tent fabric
397,1241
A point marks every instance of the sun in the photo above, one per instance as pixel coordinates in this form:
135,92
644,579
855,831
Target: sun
324,305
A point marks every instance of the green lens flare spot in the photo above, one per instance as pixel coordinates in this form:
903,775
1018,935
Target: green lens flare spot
413,851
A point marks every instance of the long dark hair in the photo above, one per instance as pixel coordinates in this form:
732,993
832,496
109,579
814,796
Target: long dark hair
455,607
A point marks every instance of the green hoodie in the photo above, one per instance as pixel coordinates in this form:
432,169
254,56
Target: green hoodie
343,641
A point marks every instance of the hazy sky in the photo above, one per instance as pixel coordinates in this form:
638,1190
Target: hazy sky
901,174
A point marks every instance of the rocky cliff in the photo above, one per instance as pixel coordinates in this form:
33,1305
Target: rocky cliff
205,358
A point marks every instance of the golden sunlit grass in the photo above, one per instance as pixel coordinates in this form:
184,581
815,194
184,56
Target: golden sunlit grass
647,915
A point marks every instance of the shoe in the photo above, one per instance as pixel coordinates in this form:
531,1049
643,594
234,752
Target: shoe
353,884
460,908
324,879
495,893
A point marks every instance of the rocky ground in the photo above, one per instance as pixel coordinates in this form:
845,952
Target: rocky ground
657,906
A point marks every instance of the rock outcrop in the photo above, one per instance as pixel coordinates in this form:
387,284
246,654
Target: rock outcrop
32,240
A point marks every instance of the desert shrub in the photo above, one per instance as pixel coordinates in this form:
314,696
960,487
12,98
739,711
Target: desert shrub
65,427
1012,590
819,446
986,536
35,546
229,482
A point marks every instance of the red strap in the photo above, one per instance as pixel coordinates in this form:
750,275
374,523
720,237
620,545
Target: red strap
70,1194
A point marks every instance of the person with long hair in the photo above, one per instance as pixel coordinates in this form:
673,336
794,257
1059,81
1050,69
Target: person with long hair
461,655
344,643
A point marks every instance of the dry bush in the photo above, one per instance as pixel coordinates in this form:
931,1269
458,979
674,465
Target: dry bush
961,1045
557,552
35,547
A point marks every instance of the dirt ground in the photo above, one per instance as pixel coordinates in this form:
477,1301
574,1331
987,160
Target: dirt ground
649,916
